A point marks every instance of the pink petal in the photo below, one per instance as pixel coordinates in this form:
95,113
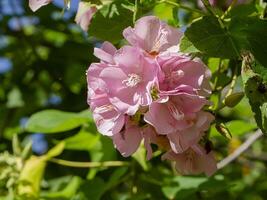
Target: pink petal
36,4
128,141
84,14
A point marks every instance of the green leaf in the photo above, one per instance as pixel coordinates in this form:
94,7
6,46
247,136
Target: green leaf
187,46
33,170
239,34
164,11
250,33
55,151
239,127
93,189
243,10
31,176
140,157
67,192
84,140
109,22
53,121
236,128
207,36
255,89
181,183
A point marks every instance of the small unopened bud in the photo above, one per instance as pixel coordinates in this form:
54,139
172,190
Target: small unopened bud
233,99
223,130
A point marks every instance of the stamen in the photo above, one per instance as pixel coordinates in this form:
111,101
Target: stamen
132,80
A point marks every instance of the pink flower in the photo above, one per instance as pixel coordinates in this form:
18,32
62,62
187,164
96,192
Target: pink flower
176,114
107,117
36,4
151,137
181,73
128,140
130,79
147,91
152,35
106,53
84,14
180,141
193,161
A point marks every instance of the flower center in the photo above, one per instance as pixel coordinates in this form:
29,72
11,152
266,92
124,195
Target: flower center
160,41
132,80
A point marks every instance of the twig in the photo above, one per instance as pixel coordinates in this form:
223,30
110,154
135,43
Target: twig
240,150
229,9
88,164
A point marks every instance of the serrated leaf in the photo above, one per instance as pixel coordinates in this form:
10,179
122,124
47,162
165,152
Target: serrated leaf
239,34
187,46
109,22
53,121
210,39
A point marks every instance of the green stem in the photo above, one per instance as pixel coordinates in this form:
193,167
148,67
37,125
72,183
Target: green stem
229,9
88,164
135,11
182,6
209,8
232,85
217,76
229,92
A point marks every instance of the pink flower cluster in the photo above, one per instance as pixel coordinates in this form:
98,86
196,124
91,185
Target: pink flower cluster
149,91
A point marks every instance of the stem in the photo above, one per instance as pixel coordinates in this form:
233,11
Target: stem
182,6
209,8
229,9
232,85
240,150
217,77
88,164
135,11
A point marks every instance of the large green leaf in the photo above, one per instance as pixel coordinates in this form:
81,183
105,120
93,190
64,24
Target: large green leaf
84,140
53,121
207,35
239,34
109,22
255,89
